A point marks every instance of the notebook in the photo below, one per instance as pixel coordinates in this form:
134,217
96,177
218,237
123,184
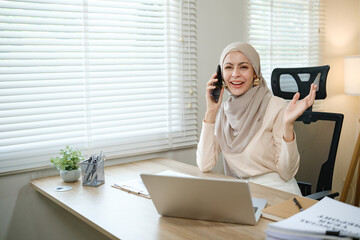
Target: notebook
222,200
286,208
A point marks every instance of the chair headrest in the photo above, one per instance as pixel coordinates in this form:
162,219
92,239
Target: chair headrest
285,82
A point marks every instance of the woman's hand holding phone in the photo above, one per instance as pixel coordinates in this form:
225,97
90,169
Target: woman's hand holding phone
214,95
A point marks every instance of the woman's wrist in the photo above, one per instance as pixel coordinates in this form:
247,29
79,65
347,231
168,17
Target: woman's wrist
210,117
289,135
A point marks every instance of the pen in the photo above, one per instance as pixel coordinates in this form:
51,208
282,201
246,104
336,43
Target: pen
298,204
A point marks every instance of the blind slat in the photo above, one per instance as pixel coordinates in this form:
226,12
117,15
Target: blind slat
285,33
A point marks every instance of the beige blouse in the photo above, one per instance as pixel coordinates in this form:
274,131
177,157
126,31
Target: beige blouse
267,152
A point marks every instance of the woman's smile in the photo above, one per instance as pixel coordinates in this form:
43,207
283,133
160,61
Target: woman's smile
238,73
237,84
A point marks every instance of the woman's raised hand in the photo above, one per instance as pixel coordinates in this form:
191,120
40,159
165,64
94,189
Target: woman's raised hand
296,108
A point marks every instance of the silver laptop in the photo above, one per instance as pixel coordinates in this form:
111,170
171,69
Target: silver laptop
223,200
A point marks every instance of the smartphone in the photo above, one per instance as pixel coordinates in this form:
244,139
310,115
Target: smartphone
215,93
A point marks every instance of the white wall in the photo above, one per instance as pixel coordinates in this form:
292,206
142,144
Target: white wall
342,39
25,214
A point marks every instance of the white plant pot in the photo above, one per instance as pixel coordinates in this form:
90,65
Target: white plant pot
70,176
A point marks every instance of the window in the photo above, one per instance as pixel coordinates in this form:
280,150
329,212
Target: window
117,76
286,33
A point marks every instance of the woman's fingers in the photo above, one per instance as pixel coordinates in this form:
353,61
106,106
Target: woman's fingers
295,97
221,96
312,94
309,99
210,84
209,88
212,80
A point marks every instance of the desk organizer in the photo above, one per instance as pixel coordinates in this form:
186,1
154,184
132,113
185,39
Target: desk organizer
93,171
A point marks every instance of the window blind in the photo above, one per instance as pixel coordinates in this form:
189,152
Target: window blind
286,33
117,76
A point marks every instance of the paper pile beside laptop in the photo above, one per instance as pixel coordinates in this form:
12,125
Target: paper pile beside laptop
327,219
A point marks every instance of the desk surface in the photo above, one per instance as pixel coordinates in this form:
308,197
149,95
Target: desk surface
121,215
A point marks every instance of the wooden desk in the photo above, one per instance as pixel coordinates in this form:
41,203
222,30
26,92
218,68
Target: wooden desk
121,215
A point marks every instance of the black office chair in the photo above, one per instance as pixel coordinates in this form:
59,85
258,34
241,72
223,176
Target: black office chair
317,133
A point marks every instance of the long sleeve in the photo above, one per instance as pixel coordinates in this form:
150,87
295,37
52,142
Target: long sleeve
287,157
208,149
289,160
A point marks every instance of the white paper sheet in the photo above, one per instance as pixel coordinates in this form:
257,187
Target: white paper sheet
324,216
136,185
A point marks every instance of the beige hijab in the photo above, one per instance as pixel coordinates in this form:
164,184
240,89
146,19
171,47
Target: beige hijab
240,118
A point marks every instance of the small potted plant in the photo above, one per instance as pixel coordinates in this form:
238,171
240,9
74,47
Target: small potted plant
68,164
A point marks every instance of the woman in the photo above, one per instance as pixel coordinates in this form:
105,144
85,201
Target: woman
253,129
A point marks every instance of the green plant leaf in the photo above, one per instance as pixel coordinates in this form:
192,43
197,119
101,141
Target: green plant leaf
69,159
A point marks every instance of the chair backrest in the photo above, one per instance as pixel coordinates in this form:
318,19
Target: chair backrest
317,156
317,133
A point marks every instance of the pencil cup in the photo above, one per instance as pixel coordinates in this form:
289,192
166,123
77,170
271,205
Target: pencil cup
93,171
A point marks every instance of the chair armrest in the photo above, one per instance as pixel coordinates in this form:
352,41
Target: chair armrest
305,187
322,194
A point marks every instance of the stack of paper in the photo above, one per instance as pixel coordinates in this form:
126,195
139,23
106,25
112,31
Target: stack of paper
327,219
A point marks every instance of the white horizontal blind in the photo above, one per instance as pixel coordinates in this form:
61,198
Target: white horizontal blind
286,33
117,76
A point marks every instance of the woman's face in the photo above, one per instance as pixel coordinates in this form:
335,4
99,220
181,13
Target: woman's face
238,73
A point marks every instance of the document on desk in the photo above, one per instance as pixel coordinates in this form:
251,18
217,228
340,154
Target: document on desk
136,186
327,219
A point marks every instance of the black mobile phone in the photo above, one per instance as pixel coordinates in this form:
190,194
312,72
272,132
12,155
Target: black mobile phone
215,93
